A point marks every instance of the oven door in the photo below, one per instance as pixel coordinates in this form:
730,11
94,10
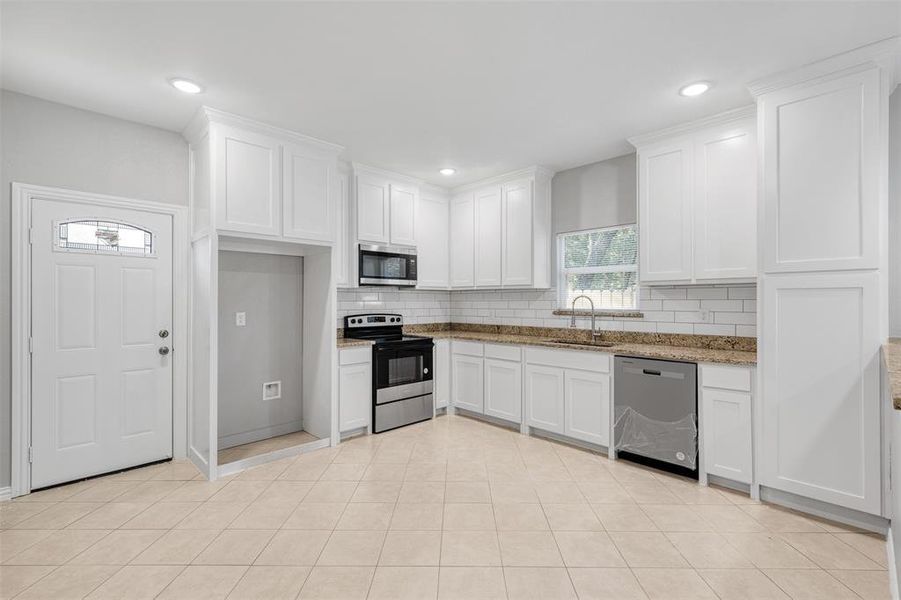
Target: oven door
402,372
387,265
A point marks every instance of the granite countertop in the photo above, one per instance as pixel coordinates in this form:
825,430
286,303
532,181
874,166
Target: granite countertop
664,351
350,342
891,354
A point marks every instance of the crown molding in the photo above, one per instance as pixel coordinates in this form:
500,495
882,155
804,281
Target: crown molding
724,118
535,171
885,54
206,115
379,172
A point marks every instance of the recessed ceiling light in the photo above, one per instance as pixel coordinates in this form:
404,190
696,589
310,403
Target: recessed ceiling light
694,89
447,171
185,85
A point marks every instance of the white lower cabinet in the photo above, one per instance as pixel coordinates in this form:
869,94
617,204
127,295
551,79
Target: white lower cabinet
587,404
467,390
503,389
441,368
544,398
354,388
727,434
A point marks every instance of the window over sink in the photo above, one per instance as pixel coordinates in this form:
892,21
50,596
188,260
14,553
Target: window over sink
601,264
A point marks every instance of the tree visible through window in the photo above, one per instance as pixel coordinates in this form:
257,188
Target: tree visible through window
601,264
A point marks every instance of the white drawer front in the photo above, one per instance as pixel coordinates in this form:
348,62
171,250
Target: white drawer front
726,377
352,356
503,352
587,360
470,348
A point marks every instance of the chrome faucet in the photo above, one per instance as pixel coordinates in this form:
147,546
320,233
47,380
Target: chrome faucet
594,333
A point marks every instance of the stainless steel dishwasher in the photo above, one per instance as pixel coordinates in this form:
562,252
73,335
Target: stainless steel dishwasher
656,413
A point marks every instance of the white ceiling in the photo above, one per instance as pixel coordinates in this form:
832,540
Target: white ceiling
412,87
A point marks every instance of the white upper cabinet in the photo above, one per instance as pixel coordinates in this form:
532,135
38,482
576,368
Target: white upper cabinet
664,212
725,196
261,181
821,179
462,225
516,233
432,249
697,201
247,186
342,237
309,202
487,237
403,214
507,230
373,209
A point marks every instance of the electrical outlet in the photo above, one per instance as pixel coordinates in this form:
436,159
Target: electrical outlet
240,319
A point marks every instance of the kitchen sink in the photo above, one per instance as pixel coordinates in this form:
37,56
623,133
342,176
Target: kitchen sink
595,344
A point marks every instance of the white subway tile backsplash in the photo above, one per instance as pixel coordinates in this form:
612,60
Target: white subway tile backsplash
731,310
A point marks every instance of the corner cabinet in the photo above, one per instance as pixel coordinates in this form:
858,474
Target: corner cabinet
432,239
264,181
506,224
697,201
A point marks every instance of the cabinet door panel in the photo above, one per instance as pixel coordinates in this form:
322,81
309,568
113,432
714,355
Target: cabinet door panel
248,189
725,202
467,388
544,398
503,389
442,375
372,209
309,211
488,237
821,175
432,249
355,389
664,212
403,215
462,241
820,424
727,434
517,234
587,403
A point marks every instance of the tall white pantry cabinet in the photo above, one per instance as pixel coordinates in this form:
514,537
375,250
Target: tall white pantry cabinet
258,188
823,308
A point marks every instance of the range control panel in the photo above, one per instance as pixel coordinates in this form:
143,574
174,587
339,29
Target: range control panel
373,320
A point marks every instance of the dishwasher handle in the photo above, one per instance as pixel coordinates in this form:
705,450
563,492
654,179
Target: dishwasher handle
653,372
650,372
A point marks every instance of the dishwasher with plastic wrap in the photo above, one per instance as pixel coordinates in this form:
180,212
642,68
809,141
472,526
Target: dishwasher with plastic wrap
656,413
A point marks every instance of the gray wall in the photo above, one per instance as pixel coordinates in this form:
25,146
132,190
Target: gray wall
51,144
895,214
269,289
601,194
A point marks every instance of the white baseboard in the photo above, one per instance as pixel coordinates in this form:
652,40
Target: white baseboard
6,493
255,461
264,433
892,566
818,508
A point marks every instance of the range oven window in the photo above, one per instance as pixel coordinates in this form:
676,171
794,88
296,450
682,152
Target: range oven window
383,266
404,369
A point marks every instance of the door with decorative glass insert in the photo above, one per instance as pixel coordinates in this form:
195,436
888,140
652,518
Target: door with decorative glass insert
101,293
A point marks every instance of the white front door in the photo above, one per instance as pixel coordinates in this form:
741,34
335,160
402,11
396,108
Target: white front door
101,326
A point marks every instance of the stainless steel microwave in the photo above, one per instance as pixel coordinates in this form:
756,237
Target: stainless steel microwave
387,265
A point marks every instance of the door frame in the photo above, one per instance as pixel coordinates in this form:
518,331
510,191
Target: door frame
22,197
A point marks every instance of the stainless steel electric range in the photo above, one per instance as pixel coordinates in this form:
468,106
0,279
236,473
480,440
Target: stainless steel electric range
401,370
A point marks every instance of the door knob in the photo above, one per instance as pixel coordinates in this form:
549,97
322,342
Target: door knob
164,350
164,333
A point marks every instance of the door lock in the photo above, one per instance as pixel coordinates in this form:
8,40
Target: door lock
164,333
164,350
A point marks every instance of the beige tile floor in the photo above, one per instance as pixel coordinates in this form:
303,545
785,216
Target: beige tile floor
452,508
289,440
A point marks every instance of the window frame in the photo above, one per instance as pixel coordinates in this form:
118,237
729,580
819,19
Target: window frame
562,272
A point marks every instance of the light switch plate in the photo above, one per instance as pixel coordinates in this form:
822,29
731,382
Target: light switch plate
240,319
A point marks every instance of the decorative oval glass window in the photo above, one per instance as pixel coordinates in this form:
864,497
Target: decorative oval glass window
105,237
